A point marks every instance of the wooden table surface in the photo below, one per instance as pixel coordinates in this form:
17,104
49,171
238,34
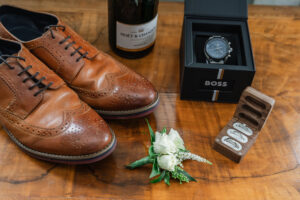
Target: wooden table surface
269,171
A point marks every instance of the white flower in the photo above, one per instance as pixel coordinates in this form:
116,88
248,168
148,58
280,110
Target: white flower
168,143
163,145
167,162
176,139
157,136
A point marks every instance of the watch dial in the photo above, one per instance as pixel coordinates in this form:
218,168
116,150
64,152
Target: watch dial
217,48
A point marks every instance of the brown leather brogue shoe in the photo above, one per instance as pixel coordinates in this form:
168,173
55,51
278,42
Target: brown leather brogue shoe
43,116
112,89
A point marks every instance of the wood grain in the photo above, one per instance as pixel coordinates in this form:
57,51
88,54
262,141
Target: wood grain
269,171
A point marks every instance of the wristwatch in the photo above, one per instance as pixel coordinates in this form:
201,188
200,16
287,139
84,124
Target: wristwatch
217,50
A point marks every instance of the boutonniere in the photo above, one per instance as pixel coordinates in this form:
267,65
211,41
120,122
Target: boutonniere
166,154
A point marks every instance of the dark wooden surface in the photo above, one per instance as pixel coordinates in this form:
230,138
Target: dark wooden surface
269,171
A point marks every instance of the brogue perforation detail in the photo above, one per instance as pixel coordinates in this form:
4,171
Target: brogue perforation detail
37,131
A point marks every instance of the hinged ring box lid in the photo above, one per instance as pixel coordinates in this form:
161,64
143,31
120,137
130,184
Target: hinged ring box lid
237,9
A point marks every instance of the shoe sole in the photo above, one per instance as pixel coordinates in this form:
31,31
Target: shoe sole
64,159
129,114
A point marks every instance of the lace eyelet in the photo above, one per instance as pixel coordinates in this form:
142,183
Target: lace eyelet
66,48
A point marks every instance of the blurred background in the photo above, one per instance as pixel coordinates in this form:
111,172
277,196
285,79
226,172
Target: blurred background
267,2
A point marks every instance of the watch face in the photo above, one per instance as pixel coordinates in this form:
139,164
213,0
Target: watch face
217,48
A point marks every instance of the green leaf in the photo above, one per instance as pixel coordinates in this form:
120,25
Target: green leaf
151,152
152,135
155,169
177,174
187,175
167,178
140,162
164,130
162,175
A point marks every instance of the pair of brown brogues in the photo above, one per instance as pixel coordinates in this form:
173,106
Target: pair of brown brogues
49,80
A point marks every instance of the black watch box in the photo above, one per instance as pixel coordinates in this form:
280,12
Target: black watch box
200,80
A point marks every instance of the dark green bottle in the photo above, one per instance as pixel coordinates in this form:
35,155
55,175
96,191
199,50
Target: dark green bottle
132,26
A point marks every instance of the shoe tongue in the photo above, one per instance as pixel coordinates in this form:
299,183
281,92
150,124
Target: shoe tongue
86,46
38,66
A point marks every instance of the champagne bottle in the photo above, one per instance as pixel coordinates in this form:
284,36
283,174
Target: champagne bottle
132,26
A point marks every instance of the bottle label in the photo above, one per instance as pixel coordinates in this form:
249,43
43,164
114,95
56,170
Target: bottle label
136,37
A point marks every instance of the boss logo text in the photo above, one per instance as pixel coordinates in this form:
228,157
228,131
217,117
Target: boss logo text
216,83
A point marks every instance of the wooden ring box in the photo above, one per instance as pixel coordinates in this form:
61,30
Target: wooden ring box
251,114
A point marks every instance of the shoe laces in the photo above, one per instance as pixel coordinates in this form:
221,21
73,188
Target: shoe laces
38,82
82,55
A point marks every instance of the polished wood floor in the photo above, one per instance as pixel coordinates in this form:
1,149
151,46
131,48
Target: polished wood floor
269,171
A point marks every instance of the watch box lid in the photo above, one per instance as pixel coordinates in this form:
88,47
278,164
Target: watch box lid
217,8
254,108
